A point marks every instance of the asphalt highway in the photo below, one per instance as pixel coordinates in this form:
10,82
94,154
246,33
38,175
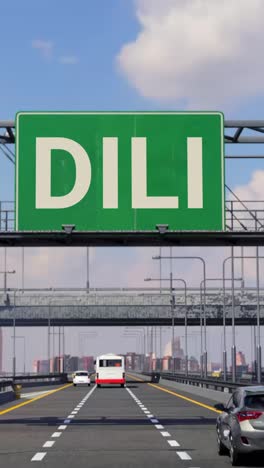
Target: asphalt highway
142,424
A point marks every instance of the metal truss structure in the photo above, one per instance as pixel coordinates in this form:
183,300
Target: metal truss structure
78,308
244,219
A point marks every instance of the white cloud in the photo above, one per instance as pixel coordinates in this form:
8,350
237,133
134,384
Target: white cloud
202,53
254,190
45,47
68,60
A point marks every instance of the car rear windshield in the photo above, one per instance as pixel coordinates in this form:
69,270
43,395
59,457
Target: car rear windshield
110,363
255,402
81,374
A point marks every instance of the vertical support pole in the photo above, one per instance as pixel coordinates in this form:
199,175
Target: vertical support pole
63,349
160,353
23,268
233,353
242,271
59,349
172,323
258,320
160,268
24,355
201,335
224,328
5,272
205,324
255,350
14,336
186,329
49,337
87,269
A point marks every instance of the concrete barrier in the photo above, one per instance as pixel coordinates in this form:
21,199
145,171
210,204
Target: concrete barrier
214,395
7,395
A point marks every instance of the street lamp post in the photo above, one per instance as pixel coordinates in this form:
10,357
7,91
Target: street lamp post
232,257
87,269
171,279
203,353
220,279
14,334
24,350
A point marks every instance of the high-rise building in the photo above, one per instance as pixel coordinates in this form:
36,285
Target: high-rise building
87,363
1,350
240,359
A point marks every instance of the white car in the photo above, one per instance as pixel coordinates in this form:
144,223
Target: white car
81,377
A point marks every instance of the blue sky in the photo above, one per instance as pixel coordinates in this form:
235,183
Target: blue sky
89,37
59,55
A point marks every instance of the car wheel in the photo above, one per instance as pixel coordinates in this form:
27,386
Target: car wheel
98,385
89,384
122,385
222,450
234,454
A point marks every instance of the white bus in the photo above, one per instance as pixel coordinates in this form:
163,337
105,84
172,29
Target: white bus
110,369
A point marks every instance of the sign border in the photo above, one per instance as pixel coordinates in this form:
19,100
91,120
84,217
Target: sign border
219,113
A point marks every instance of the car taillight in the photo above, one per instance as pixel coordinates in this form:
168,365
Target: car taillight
246,415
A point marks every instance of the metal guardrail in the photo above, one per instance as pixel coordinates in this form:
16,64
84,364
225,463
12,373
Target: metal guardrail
214,383
4,384
36,378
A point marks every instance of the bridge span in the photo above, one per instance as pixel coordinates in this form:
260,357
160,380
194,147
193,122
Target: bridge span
119,308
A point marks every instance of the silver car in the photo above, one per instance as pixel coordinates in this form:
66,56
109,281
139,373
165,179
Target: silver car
240,426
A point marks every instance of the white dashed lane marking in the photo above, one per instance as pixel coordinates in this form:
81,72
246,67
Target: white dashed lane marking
184,456
38,456
56,434
173,443
49,443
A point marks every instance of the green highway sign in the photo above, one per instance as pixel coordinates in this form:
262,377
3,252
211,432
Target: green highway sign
112,171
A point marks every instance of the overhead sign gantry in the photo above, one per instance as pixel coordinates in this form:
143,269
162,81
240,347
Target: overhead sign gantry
126,171
136,183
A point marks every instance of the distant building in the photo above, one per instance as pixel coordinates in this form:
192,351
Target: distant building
72,364
87,363
56,364
35,366
166,363
194,364
240,359
43,366
130,359
178,351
